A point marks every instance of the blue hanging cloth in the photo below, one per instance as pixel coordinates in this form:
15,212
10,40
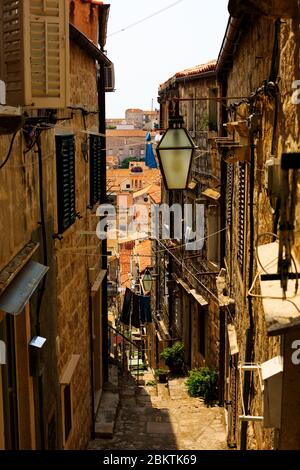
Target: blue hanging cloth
149,155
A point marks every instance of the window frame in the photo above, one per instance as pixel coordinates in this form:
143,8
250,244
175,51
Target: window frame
62,168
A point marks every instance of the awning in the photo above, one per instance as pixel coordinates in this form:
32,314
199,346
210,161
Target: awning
18,293
192,185
211,193
199,298
183,284
280,314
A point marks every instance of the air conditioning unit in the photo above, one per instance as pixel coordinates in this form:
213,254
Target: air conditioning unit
109,77
34,52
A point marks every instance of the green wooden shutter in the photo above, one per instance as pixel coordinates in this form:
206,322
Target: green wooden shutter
95,169
65,170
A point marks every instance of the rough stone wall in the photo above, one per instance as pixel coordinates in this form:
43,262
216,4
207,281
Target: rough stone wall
73,261
206,171
85,17
64,314
251,65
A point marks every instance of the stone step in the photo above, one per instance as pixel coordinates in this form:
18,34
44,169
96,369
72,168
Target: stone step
107,415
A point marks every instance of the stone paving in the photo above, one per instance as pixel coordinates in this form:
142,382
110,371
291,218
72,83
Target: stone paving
164,417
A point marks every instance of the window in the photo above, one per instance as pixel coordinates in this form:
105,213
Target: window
191,114
213,242
127,186
202,332
131,152
35,64
213,110
95,169
229,195
65,170
67,411
66,396
241,215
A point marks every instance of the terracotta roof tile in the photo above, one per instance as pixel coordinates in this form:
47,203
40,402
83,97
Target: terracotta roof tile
144,250
128,133
197,70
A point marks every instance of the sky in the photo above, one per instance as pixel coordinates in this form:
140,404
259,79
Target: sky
145,55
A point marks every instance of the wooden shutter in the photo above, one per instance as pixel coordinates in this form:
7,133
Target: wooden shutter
12,57
35,44
242,215
65,169
229,195
95,169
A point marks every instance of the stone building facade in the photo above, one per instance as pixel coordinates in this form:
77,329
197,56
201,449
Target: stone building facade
49,197
186,298
260,70
245,173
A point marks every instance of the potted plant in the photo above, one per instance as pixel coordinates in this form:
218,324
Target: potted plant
203,383
162,375
174,357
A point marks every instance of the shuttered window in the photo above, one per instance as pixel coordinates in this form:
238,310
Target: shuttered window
65,168
35,59
242,215
95,169
229,195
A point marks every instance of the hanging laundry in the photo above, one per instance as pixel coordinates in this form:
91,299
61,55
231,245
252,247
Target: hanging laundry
127,307
145,309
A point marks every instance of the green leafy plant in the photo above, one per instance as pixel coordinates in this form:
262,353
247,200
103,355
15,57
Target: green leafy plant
174,357
203,383
151,383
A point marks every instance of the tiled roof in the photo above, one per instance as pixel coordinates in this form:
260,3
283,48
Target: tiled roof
155,193
193,71
143,250
142,191
128,133
198,69
134,110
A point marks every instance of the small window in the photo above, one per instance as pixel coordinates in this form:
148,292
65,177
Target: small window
67,411
95,169
65,169
127,186
202,332
213,110
191,114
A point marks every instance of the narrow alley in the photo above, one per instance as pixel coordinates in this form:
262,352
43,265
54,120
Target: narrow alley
163,417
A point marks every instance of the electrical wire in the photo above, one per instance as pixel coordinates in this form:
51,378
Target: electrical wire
191,274
9,151
145,18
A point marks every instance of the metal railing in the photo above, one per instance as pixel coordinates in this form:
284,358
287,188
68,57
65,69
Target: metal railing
126,353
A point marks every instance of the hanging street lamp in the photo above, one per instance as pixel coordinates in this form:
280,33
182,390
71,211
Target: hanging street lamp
147,281
175,154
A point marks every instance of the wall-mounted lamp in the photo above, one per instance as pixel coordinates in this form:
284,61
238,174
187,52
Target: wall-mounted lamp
175,153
